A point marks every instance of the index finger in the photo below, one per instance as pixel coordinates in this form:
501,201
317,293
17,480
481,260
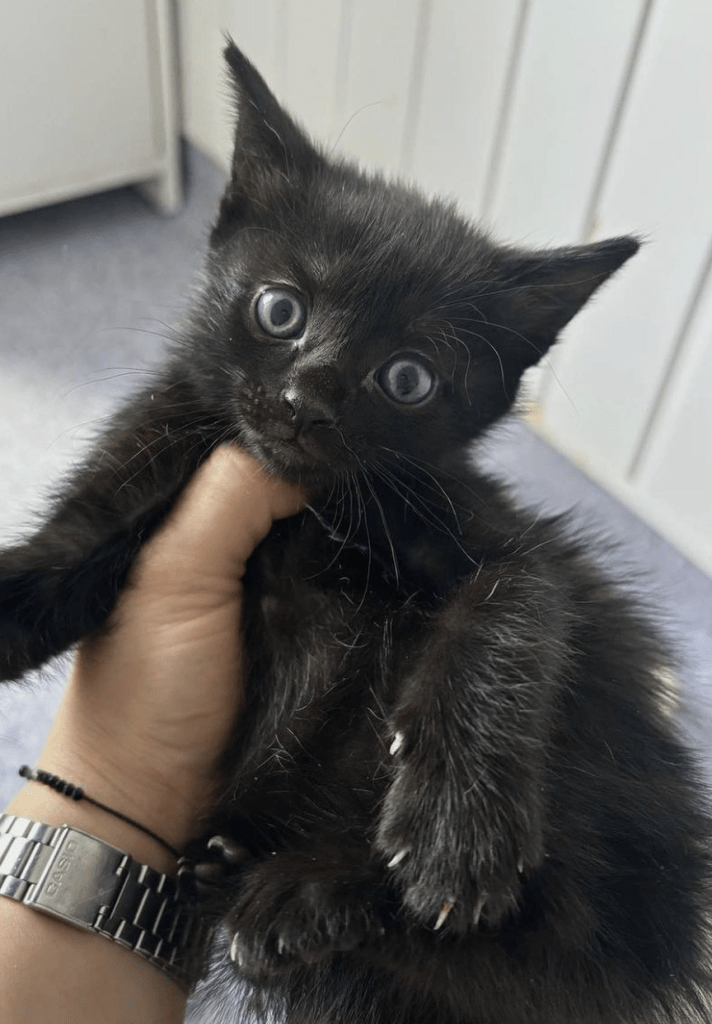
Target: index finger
223,514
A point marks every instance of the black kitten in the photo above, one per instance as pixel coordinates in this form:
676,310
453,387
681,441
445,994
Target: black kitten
455,794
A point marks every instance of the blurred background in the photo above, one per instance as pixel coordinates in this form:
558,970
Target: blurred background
552,121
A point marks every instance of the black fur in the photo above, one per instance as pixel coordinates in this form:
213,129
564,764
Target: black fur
453,719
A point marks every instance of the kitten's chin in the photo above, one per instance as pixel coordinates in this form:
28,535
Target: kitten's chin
289,462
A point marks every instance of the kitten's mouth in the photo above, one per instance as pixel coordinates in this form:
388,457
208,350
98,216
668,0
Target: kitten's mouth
288,457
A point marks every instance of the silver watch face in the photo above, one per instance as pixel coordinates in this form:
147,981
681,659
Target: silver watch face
65,872
81,877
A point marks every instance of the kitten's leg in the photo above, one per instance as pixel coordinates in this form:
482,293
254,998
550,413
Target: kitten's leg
62,583
463,817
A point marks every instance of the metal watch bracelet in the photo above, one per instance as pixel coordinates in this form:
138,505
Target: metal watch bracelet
70,874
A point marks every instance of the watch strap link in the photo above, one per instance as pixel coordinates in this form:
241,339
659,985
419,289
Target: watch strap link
67,873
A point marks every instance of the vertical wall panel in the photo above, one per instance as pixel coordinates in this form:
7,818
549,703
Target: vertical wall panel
463,76
380,53
675,472
573,61
572,64
259,30
201,76
658,184
207,110
312,30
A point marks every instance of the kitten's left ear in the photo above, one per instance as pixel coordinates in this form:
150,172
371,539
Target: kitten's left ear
272,153
541,291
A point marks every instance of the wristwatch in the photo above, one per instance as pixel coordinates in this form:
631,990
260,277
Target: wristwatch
70,874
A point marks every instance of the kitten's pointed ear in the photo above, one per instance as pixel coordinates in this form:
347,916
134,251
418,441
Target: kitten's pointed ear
542,291
270,149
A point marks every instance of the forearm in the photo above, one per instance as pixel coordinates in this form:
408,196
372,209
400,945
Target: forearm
150,706
52,971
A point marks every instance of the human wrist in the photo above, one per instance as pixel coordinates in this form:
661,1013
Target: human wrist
39,803
131,780
95,879
129,758
131,790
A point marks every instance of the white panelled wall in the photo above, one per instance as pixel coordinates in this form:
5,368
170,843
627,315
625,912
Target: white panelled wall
553,122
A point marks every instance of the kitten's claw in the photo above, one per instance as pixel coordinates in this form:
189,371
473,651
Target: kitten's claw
397,743
520,864
394,861
442,917
230,851
479,907
185,867
235,954
281,946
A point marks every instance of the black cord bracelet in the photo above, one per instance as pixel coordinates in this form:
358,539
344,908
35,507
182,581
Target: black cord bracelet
77,793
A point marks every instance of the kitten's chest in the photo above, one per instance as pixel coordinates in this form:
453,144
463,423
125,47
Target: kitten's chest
322,615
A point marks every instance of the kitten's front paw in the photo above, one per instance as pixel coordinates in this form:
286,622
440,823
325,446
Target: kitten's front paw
457,859
50,599
291,910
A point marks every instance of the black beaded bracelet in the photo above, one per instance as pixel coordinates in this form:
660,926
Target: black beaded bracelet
75,792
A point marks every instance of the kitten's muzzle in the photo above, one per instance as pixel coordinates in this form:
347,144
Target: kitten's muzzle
312,397
306,412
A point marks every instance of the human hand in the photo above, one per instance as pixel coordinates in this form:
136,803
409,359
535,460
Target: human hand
153,698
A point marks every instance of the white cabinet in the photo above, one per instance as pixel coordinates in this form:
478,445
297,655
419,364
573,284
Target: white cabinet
88,100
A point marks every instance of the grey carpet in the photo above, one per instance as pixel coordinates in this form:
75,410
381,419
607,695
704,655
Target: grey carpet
86,291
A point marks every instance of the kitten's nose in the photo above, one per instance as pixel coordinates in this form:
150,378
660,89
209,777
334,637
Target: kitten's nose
308,411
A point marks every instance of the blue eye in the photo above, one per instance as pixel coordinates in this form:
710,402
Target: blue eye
281,313
406,380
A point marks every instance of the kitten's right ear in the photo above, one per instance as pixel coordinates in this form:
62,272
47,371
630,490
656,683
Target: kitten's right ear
272,155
